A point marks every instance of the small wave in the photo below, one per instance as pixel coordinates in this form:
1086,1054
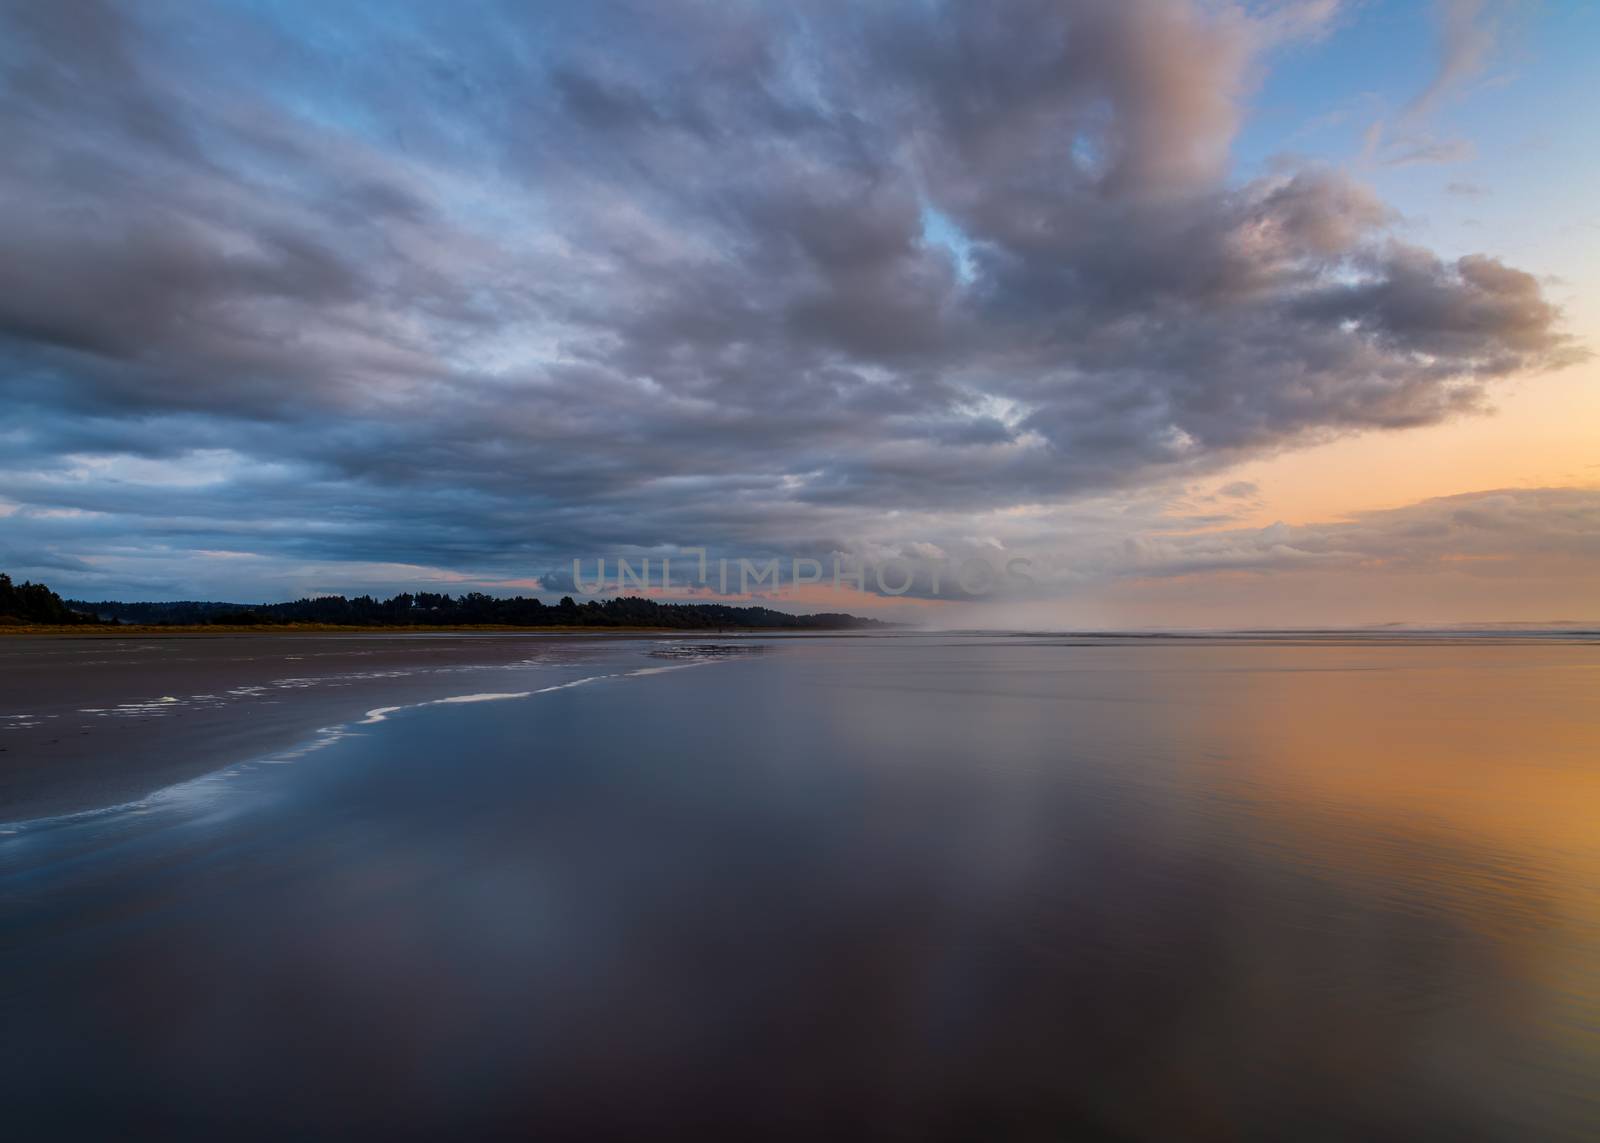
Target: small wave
320,740
379,714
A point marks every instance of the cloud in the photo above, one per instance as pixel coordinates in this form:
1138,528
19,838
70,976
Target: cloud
1525,555
486,294
1513,530
1468,37
1424,150
1469,34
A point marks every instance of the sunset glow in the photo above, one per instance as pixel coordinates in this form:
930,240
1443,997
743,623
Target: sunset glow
1191,305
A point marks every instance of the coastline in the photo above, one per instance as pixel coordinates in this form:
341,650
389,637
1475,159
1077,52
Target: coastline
91,719
90,723
125,630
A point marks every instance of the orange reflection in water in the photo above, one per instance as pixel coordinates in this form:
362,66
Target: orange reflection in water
1462,783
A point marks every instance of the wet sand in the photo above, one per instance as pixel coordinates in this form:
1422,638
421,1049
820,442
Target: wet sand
87,722
887,888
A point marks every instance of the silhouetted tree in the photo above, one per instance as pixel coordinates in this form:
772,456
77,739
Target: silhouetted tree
35,603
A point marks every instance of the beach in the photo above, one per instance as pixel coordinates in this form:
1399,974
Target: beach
96,720
906,886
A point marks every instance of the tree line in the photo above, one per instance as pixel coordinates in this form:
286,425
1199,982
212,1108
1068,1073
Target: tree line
429,609
28,602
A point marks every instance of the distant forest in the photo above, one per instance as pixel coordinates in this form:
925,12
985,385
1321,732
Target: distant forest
35,603
426,609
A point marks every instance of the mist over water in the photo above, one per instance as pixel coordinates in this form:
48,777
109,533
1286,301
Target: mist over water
906,886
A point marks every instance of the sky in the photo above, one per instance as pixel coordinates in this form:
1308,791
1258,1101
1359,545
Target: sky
1195,314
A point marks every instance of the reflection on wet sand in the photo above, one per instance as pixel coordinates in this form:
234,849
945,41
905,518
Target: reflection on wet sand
862,888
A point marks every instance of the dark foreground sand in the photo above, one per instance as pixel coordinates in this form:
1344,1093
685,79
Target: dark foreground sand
93,721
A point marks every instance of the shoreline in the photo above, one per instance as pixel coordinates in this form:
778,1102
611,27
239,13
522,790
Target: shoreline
126,630
90,723
89,720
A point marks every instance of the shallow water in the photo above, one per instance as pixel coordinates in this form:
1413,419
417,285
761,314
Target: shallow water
905,886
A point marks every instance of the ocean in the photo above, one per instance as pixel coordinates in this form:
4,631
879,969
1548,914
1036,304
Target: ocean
911,885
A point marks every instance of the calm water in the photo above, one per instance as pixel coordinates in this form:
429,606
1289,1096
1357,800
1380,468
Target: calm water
890,887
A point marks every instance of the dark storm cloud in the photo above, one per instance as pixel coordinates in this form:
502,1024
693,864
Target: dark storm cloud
482,289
